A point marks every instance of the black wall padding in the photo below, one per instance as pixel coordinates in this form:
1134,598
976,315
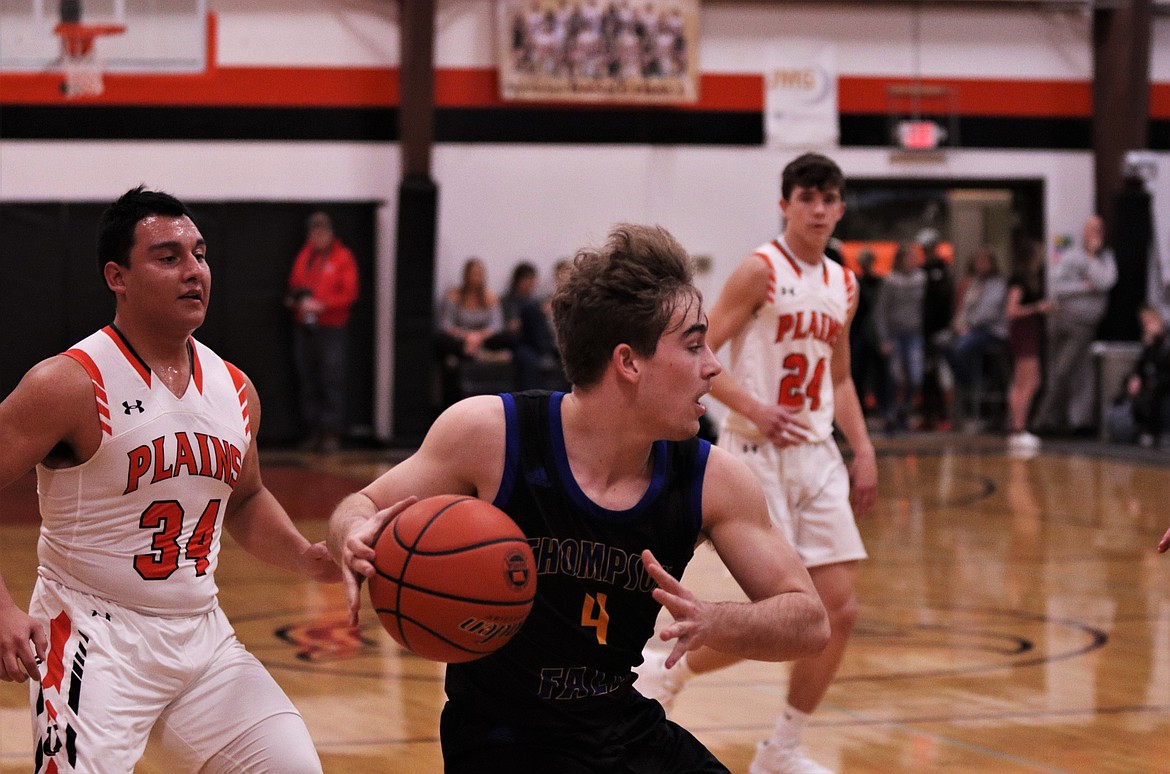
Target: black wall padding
414,304
1131,238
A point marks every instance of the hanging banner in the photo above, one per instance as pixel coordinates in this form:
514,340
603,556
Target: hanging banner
598,51
801,96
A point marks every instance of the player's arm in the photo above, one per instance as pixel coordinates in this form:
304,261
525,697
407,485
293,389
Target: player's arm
259,523
851,421
50,414
785,618
462,453
744,292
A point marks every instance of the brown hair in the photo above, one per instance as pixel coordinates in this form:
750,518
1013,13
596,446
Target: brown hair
626,292
811,170
469,297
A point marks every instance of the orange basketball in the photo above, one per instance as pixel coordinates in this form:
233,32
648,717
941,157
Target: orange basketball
455,578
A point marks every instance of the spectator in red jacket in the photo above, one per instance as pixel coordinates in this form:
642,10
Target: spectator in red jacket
322,287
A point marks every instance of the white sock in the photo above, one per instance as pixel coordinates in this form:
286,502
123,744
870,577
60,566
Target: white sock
790,725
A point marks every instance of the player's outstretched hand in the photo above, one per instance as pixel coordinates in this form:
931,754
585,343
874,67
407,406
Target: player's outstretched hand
319,565
22,645
358,552
687,629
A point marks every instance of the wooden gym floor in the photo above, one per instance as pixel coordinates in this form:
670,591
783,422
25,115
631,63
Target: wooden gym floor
1014,618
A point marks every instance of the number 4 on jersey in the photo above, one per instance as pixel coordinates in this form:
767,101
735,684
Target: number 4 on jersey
593,614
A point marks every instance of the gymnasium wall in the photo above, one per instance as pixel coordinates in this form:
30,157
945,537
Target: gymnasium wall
300,106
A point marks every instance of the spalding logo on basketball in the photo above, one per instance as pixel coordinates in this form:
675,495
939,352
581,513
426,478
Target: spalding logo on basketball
455,578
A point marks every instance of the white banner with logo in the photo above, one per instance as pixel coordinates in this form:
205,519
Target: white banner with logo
800,100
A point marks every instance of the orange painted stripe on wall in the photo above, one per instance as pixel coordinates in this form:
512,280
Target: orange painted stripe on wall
358,87
1065,99
326,87
235,86
1160,100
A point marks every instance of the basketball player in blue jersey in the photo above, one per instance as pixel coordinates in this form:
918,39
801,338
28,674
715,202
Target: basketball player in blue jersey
785,312
143,441
613,491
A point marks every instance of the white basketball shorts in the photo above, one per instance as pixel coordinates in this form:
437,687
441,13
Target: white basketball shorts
807,489
113,674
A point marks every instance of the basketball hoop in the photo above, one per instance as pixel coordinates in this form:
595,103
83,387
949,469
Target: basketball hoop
79,60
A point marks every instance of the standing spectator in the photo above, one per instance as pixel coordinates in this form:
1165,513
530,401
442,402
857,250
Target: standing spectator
1079,286
470,323
938,307
899,326
980,328
1025,310
870,370
322,287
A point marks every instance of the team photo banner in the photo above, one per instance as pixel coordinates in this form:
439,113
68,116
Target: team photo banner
598,50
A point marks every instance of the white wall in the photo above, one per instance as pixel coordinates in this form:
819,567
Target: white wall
506,202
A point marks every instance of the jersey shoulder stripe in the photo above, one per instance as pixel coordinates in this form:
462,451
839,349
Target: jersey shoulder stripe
99,386
241,384
763,256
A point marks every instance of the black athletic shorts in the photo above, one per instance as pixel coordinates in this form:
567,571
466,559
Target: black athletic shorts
639,740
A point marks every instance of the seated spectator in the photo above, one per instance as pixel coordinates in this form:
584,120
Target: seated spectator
899,326
521,291
980,327
1025,310
470,325
1140,411
536,359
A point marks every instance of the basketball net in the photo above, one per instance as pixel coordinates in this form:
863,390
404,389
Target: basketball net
79,59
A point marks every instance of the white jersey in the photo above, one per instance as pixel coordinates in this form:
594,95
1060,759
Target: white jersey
139,523
785,351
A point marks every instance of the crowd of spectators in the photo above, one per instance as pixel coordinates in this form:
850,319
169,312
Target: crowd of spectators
974,344
986,344
507,339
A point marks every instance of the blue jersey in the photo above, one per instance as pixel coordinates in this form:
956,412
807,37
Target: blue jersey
571,663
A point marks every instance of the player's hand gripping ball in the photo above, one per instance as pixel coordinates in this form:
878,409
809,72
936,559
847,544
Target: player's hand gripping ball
455,578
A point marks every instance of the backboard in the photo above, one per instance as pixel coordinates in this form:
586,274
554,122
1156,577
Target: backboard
160,36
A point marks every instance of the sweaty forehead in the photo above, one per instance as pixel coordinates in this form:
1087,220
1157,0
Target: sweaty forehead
158,229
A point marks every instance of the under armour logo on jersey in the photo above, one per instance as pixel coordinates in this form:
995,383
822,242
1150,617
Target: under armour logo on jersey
786,291
137,406
750,448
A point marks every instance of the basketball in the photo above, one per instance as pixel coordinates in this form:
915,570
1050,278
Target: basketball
455,578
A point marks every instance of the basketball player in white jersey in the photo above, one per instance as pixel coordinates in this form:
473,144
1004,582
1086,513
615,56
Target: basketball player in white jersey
143,441
786,312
